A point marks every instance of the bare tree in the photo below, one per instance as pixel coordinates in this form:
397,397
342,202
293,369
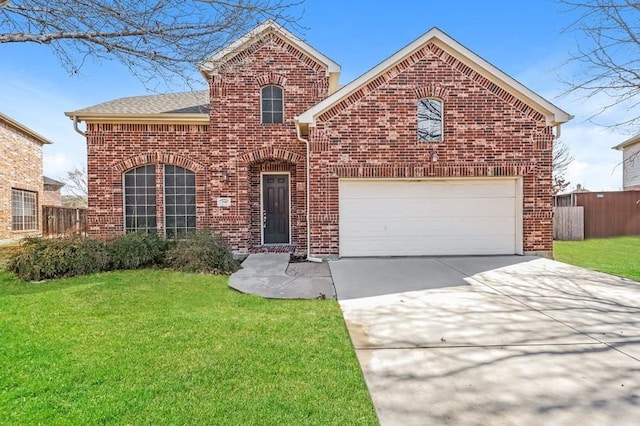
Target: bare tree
76,188
608,52
160,39
562,157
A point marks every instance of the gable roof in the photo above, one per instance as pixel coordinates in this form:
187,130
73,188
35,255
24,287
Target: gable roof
208,66
555,115
184,106
10,122
631,141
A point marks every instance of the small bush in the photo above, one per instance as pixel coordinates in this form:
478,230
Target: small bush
137,250
202,251
41,258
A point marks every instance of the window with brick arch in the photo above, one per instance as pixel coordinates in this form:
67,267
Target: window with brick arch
140,199
272,105
179,201
430,120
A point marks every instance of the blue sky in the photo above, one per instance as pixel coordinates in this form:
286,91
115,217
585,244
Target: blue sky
524,39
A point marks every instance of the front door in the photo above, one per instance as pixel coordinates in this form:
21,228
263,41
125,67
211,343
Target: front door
275,205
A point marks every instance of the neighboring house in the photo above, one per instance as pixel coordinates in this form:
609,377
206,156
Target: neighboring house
432,152
630,163
51,194
21,191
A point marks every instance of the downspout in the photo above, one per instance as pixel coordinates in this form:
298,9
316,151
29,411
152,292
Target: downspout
308,197
76,128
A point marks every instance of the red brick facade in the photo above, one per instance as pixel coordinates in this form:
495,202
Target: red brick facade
371,133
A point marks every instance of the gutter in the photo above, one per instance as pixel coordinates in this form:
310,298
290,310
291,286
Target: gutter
76,128
308,186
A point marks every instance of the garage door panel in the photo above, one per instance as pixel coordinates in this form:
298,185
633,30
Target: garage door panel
418,189
428,217
471,207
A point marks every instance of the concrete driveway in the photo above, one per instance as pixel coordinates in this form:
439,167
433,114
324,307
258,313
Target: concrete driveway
493,340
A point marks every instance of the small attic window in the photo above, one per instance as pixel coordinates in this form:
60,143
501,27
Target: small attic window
430,120
272,104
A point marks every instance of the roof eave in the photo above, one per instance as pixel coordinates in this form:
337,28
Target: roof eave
631,141
140,118
207,67
24,129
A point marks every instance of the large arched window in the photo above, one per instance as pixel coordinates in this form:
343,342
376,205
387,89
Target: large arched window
140,199
272,104
140,204
179,201
430,120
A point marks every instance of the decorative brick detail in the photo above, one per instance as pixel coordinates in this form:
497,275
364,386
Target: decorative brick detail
271,153
155,158
432,90
271,78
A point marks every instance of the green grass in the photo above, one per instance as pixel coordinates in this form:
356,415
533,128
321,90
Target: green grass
618,256
158,347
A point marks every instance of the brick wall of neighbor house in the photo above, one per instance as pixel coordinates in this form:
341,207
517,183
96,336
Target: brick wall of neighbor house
631,168
228,155
20,168
487,132
51,197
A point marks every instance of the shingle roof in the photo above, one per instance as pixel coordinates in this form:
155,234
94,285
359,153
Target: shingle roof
196,102
52,182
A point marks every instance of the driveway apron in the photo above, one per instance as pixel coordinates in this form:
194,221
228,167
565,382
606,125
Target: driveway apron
493,340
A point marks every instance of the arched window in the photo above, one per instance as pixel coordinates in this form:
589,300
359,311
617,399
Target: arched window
179,201
140,199
430,120
272,105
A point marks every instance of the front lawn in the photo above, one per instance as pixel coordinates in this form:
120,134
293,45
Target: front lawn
618,256
158,347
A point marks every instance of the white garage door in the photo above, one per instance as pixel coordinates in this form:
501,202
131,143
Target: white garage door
430,217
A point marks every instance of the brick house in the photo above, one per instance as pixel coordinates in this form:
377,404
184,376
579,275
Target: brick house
432,152
20,179
51,195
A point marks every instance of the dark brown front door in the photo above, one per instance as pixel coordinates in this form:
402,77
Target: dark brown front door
275,204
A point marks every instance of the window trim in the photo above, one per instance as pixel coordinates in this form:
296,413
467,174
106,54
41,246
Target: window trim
35,219
261,101
430,98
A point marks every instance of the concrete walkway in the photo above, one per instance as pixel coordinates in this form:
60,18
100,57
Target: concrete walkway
270,275
493,340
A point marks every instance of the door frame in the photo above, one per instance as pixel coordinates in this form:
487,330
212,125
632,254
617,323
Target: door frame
262,174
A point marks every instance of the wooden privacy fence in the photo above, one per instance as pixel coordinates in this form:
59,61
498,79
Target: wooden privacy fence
568,223
58,221
605,214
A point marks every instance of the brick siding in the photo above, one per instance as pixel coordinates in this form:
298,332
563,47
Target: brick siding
20,168
372,133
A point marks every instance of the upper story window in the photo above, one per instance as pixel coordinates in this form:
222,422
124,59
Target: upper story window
24,210
430,120
272,105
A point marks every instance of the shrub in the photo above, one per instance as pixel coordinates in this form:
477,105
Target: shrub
137,250
41,258
201,251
